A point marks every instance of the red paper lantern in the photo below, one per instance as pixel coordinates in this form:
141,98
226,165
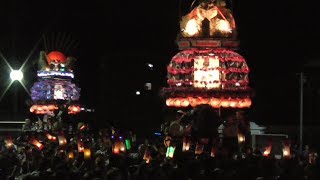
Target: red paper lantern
193,101
177,102
233,103
215,102
204,101
168,102
185,103
225,103
56,55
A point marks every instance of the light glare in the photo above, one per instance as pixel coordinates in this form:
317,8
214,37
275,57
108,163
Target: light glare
16,75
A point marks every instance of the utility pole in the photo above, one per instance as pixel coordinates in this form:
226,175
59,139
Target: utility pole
301,111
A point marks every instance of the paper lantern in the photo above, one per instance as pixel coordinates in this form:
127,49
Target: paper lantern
186,144
37,143
74,109
51,107
233,103
177,102
9,143
70,155
168,102
215,102
241,138
248,102
286,152
115,149
185,103
87,153
50,137
199,148
80,146
62,140
267,151
225,103
122,147
204,101
193,102
118,146
213,152
147,155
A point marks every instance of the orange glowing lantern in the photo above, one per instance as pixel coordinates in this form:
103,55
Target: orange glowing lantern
87,153
70,155
215,102
193,102
267,151
241,138
233,103
213,152
9,143
80,147
116,150
204,101
225,103
248,102
147,156
51,107
199,148
122,147
186,144
117,147
39,108
37,143
168,102
177,102
185,103
286,152
74,109
241,104
62,140
50,137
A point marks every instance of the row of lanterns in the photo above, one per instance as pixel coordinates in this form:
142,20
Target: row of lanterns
46,109
214,102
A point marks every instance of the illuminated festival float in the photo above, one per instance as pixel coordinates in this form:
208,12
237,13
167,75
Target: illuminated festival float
208,81
207,70
54,90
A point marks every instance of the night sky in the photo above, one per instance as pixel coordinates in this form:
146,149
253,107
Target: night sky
113,41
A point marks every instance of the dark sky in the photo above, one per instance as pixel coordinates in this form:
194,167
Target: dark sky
113,41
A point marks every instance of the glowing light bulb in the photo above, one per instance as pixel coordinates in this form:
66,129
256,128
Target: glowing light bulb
224,26
192,27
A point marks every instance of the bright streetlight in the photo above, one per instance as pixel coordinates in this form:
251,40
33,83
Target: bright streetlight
16,75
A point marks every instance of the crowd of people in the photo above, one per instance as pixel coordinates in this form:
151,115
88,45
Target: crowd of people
110,153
